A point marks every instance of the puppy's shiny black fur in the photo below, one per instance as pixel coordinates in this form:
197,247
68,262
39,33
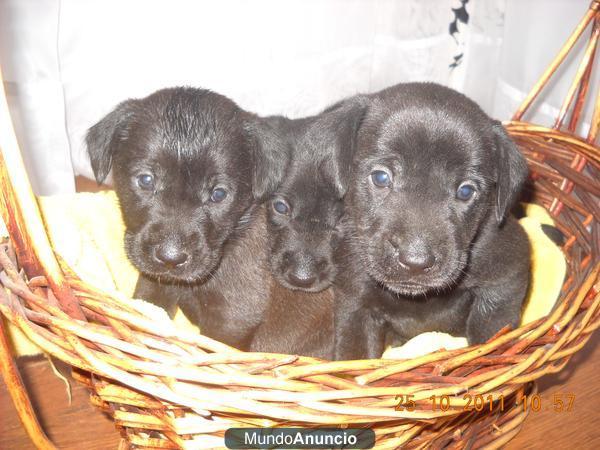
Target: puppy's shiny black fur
307,206
303,236
423,252
298,323
190,169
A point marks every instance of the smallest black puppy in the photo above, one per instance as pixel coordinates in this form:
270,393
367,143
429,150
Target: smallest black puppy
431,243
303,229
307,206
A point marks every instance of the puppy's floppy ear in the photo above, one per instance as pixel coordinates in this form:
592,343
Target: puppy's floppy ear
103,139
512,172
346,118
270,157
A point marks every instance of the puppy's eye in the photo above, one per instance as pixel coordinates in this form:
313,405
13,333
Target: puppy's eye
465,192
281,207
381,178
218,195
145,181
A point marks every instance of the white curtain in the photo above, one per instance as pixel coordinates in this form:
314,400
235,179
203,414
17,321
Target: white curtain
66,63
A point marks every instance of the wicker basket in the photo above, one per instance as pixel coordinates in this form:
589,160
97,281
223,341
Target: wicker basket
166,388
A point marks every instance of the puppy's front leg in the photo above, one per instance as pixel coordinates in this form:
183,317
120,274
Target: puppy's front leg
358,334
500,283
360,328
493,308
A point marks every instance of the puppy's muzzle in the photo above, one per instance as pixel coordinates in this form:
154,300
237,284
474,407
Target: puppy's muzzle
413,256
305,272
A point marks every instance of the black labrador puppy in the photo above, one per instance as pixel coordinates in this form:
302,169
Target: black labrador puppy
306,207
190,170
303,229
430,243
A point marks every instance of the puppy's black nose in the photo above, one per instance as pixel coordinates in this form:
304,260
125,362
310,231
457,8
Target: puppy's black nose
414,256
416,262
302,278
170,255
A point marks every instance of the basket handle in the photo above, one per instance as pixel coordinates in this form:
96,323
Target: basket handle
580,83
22,217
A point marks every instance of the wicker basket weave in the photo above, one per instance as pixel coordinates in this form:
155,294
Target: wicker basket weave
166,388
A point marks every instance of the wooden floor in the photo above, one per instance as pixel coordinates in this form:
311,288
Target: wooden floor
80,426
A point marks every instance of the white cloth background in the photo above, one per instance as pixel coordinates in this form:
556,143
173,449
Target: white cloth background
66,63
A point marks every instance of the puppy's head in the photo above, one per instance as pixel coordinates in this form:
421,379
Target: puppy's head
306,209
188,166
432,170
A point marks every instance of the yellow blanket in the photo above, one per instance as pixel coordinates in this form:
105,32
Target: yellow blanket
87,231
